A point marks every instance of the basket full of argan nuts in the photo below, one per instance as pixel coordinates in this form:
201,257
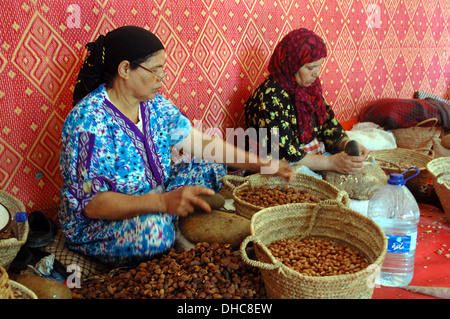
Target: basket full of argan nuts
262,191
316,251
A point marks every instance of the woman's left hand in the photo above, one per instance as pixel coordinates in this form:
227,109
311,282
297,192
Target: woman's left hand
346,164
183,200
363,152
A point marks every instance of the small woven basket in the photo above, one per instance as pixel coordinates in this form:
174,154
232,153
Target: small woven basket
439,169
11,246
398,160
229,183
439,150
329,220
417,137
313,185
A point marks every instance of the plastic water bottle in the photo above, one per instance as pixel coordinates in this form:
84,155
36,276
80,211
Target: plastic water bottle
395,210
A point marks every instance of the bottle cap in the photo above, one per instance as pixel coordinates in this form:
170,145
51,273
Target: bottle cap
21,217
396,179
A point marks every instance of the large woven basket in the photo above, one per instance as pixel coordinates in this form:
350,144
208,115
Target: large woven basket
439,169
398,160
326,220
11,246
419,136
313,185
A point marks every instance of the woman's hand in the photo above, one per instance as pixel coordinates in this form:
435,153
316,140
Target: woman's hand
346,164
280,168
286,170
183,200
363,152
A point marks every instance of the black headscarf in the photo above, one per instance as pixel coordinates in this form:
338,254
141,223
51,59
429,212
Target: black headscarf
129,43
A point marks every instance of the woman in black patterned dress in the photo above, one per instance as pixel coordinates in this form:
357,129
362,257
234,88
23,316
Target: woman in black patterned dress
290,104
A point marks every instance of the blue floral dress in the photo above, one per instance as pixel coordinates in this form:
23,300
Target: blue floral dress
102,150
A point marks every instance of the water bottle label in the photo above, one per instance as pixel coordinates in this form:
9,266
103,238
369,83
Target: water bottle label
401,243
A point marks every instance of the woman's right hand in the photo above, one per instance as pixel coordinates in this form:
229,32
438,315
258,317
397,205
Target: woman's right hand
183,200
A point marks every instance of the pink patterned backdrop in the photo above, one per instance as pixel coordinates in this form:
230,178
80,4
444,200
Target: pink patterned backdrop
218,52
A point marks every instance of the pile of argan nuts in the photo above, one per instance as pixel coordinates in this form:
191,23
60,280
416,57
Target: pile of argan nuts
208,271
318,257
266,197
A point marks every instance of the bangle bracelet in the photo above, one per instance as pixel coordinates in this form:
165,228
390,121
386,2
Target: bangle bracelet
345,144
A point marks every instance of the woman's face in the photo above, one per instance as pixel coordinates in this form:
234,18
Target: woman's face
149,77
308,73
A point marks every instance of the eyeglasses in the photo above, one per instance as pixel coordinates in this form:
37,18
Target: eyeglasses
160,77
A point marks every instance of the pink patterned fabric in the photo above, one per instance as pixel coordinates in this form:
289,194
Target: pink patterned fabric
314,147
217,54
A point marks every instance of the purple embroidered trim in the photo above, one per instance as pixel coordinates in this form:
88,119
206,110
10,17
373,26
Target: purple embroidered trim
156,166
83,197
144,144
85,147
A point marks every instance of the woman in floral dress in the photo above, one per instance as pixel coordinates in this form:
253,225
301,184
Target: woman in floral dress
122,192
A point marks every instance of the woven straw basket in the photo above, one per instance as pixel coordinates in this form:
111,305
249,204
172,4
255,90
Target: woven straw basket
229,183
11,246
439,150
23,291
313,185
5,286
440,174
398,160
417,137
327,220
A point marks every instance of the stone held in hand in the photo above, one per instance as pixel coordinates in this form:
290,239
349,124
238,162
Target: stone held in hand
215,201
351,148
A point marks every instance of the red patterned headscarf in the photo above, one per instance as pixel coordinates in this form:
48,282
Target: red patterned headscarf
297,48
